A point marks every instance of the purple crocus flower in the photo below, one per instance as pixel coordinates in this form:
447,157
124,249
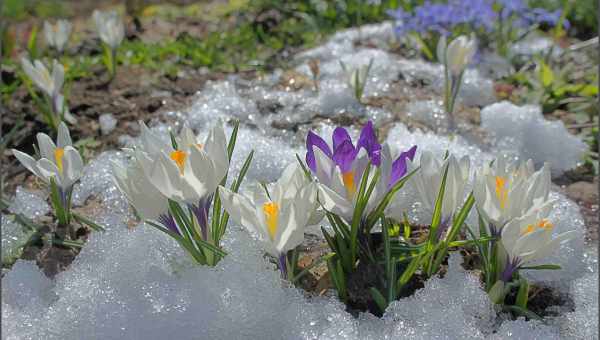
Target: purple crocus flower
399,167
344,152
340,167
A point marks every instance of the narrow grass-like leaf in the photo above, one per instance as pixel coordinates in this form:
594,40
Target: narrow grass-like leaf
84,220
233,139
437,210
542,267
375,214
381,302
68,243
522,294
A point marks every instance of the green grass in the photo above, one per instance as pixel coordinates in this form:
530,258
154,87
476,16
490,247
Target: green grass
21,9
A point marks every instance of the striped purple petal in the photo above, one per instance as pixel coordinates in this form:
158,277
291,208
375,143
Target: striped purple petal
340,135
399,167
368,141
344,155
313,139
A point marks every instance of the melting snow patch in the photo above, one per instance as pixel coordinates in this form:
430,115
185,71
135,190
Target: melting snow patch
523,132
31,204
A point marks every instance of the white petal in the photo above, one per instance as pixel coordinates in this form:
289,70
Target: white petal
46,146
64,137
58,75
28,162
47,170
335,203
240,209
216,147
72,164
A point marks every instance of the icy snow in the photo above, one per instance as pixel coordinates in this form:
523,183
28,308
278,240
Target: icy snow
32,204
524,132
137,283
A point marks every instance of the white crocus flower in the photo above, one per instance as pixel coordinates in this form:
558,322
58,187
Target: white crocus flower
429,179
59,161
459,54
190,173
280,216
530,237
141,194
57,35
50,84
110,27
505,191
357,78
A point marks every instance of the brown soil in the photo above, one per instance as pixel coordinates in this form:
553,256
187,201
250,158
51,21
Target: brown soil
544,301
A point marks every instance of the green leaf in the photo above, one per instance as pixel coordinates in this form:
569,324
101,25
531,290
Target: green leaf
233,139
375,214
84,220
68,243
379,299
32,42
173,140
522,294
437,210
463,243
542,267
522,312
307,172
497,292
407,228
409,271
57,204
546,74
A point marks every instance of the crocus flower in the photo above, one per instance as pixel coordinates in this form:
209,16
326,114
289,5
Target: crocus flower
188,174
192,171
59,161
110,27
504,191
340,167
357,78
530,238
141,194
457,55
429,178
278,214
57,35
50,84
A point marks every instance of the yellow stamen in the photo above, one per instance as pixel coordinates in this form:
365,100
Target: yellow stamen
541,224
179,157
348,178
271,211
58,157
501,191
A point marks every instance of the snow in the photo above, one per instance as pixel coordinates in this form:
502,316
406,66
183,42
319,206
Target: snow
107,123
522,131
32,204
